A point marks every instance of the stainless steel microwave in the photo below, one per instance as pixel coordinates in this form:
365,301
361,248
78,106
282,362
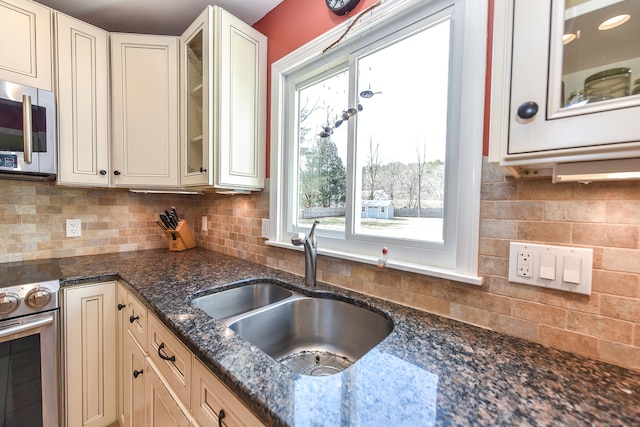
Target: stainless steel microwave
27,132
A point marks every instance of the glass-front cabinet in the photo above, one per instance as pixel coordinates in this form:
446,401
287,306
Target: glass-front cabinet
195,151
224,103
566,81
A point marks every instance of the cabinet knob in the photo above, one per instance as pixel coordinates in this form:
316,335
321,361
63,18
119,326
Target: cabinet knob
202,170
121,306
527,110
136,373
103,172
116,173
133,318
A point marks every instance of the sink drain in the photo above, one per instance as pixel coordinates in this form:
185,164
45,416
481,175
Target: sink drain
316,363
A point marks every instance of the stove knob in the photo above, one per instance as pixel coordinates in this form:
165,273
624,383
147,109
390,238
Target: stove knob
8,302
38,297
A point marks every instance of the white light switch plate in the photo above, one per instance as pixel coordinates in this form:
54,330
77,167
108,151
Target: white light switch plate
555,267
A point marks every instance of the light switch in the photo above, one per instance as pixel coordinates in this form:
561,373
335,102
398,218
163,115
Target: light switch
572,269
547,266
552,267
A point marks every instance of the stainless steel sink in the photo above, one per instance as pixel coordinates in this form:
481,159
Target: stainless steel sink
314,336
236,301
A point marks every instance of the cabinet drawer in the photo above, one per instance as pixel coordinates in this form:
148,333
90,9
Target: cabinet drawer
136,321
211,396
171,357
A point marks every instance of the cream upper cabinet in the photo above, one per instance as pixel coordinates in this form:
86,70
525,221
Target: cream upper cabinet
566,85
89,348
25,43
145,107
223,65
83,103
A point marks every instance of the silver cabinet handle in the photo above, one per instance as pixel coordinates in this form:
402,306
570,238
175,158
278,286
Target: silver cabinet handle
27,136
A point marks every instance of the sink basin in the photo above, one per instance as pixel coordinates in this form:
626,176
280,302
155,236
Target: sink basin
241,300
314,336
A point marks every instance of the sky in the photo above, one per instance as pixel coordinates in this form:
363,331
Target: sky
411,109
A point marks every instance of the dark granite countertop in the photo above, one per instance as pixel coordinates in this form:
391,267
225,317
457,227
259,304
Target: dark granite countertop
429,371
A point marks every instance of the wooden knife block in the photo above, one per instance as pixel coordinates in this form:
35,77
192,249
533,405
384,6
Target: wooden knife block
181,238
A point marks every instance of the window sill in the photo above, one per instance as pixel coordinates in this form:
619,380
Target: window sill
396,265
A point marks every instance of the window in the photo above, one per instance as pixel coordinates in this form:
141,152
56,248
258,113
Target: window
386,119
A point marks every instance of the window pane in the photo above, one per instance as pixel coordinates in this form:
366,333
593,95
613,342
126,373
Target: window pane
402,137
322,152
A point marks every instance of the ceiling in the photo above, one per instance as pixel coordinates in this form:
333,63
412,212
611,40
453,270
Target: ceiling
170,17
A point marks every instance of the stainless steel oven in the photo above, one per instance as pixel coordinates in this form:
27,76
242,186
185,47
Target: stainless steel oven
29,346
27,132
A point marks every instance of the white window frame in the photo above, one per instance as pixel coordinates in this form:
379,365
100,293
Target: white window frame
458,259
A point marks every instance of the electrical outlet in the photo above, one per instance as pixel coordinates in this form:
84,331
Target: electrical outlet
74,228
525,264
204,223
553,267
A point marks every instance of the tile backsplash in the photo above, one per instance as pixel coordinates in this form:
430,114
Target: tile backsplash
33,217
602,216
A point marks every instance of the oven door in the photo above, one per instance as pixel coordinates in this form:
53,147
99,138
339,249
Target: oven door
29,371
27,129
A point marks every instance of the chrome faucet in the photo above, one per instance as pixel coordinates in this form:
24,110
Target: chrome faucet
310,253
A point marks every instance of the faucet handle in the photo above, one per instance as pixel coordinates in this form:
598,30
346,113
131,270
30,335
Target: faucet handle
313,227
312,237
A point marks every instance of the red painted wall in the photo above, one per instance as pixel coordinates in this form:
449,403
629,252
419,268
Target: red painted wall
292,24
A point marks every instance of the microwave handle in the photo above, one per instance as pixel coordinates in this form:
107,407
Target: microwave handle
27,129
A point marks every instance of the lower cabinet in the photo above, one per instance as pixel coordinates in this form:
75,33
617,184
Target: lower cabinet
161,383
89,354
133,392
162,409
212,403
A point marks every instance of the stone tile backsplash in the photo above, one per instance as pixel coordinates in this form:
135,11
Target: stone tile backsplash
603,216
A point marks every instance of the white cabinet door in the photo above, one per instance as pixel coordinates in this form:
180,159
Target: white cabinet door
83,103
162,409
196,80
533,68
243,90
133,383
25,43
145,110
90,354
224,102
121,329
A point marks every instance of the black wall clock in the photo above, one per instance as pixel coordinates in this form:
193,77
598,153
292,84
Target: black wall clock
341,7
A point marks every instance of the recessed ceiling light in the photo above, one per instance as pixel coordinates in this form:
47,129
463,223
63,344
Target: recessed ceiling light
568,38
614,22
